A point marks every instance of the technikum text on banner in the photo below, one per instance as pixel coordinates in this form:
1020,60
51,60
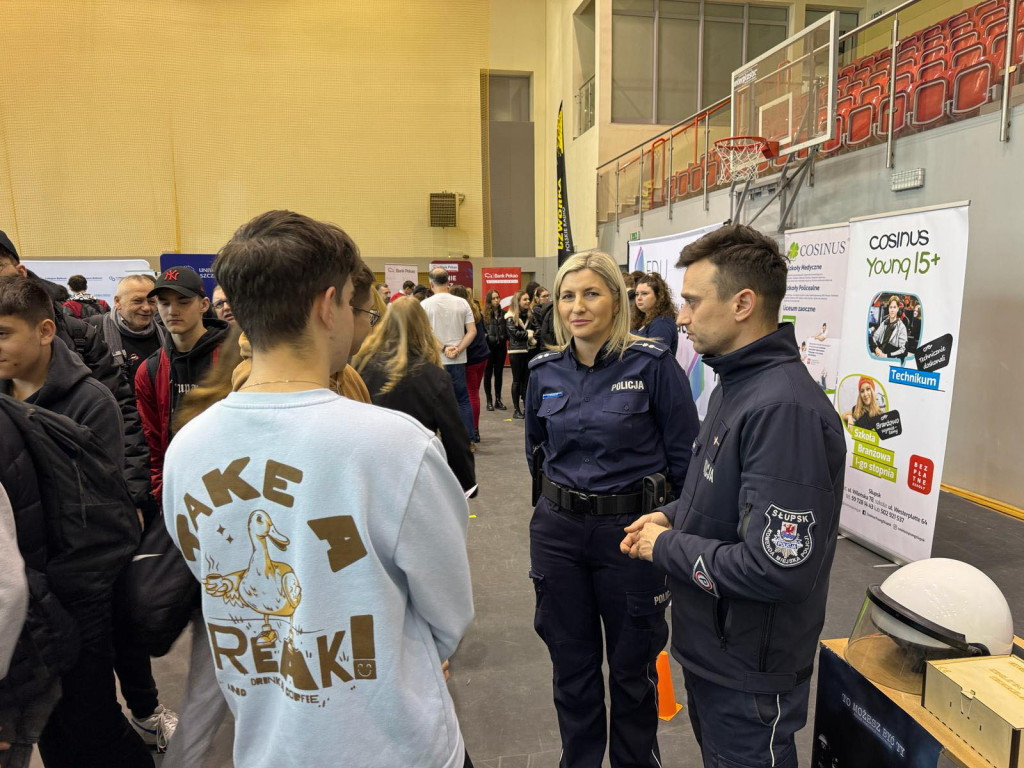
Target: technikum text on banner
901,326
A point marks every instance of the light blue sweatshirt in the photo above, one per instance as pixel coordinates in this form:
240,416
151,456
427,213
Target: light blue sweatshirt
330,540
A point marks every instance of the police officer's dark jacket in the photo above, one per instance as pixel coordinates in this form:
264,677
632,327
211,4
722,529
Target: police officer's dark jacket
754,529
604,428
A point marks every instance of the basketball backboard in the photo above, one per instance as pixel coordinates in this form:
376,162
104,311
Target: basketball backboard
788,93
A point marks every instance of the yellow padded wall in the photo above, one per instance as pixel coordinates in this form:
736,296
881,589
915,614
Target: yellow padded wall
133,127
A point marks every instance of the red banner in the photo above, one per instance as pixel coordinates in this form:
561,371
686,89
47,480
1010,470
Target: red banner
505,280
459,272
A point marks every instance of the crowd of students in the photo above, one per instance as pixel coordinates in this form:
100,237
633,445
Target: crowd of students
316,541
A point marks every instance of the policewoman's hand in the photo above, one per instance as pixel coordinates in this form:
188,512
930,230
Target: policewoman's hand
629,544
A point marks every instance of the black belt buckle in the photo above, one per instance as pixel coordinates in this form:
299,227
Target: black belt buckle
581,503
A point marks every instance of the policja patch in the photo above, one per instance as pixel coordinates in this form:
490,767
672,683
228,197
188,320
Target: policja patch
787,537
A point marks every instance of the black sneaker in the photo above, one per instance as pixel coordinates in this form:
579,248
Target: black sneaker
498,405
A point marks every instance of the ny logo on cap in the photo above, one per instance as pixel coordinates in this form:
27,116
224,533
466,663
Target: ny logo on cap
171,274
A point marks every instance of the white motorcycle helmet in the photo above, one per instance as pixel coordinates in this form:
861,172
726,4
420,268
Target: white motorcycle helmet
928,610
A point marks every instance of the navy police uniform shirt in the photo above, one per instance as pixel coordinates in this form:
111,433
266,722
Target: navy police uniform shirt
606,427
754,528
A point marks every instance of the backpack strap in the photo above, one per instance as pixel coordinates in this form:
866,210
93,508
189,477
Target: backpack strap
77,334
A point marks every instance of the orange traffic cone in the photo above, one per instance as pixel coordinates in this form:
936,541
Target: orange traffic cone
668,707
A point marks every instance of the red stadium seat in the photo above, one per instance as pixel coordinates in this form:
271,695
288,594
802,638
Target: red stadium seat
932,71
982,8
929,102
960,31
835,144
712,172
933,55
862,74
906,68
899,115
870,95
971,89
681,178
967,57
860,125
955,21
908,51
995,28
933,32
959,43
696,177
997,51
984,22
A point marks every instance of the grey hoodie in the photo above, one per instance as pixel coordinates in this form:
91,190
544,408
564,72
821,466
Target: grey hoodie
71,391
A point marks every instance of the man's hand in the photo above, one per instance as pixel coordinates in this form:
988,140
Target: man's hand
879,352
451,352
633,531
445,668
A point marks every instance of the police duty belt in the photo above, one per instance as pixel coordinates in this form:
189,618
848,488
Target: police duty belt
583,503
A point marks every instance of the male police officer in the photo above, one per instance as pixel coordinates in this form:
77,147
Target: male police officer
749,543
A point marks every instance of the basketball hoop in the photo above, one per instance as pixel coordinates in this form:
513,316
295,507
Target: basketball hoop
741,155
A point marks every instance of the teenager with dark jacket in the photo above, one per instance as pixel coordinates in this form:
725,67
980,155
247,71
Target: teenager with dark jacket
654,312
520,343
176,368
497,344
401,365
87,343
86,727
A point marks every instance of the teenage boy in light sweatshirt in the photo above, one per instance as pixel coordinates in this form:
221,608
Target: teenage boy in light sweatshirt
329,598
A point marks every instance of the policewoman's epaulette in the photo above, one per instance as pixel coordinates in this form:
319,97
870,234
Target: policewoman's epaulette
546,357
652,348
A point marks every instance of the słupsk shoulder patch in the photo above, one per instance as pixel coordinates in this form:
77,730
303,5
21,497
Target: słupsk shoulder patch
787,538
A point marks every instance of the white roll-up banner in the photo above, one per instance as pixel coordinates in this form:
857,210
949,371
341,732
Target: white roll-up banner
660,254
815,288
102,275
396,274
900,331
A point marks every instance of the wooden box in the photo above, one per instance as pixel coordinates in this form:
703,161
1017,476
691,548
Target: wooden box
982,701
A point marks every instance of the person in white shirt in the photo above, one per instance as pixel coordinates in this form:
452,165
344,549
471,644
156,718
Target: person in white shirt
330,599
453,324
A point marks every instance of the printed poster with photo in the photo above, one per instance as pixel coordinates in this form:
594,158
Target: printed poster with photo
901,326
660,254
815,287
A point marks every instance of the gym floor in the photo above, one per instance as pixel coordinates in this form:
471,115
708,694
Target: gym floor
501,675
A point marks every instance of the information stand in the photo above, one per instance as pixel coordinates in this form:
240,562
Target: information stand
860,724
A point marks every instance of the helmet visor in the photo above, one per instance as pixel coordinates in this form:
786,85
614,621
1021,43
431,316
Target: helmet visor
890,644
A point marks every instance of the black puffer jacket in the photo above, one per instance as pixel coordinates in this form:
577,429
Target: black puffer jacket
88,343
49,638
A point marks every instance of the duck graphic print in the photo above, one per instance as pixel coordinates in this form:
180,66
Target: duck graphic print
265,585
276,607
